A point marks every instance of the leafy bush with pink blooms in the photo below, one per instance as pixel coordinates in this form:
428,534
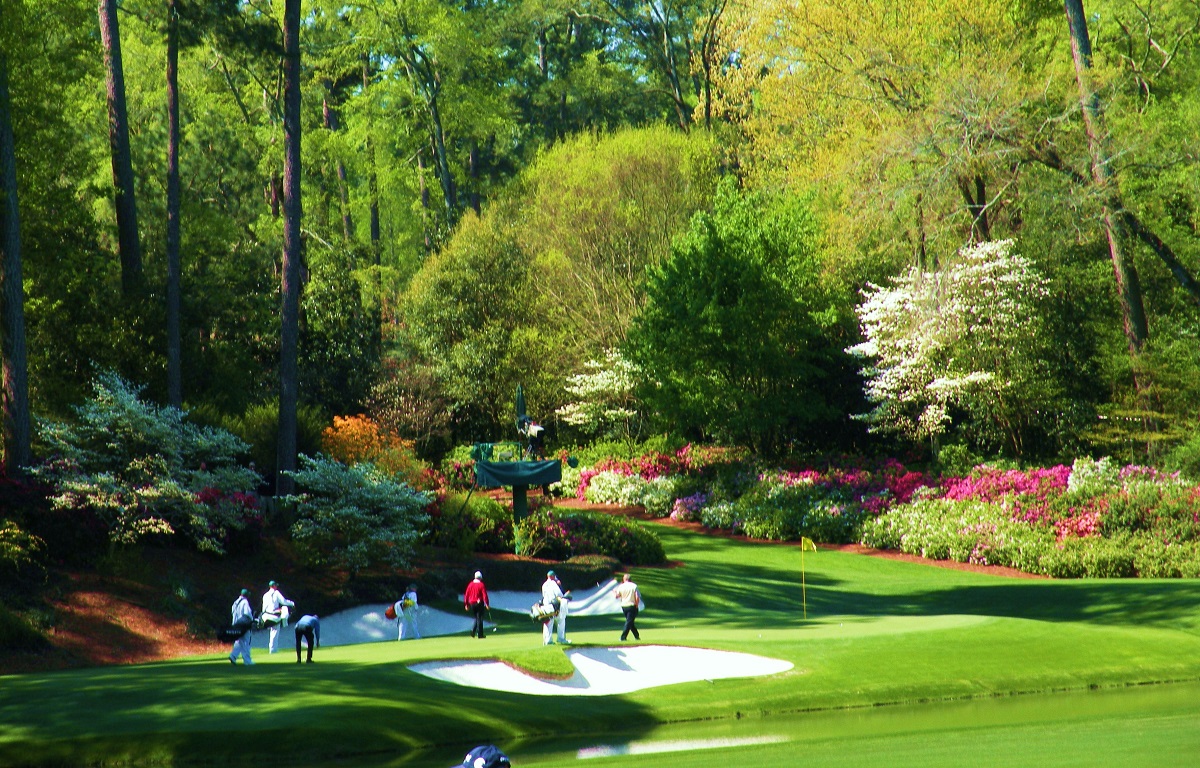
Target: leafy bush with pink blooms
557,535
722,489
1090,519
688,508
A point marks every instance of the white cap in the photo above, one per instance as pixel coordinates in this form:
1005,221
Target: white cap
478,574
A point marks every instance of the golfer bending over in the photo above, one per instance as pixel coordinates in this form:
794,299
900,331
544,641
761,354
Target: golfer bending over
309,628
627,593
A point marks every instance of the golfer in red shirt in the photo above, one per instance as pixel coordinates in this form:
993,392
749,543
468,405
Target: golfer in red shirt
475,599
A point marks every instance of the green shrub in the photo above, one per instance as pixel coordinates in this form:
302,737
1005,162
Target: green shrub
668,444
1156,559
259,428
143,470
721,516
957,460
965,531
729,480
354,517
782,512
1185,458
468,522
558,536
16,634
659,494
21,553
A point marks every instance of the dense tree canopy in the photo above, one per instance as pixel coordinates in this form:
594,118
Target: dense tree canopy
734,340
499,193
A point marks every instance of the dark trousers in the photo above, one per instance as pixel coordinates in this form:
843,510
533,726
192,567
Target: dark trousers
630,617
308,635
478,609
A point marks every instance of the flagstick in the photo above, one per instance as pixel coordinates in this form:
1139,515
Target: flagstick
805,543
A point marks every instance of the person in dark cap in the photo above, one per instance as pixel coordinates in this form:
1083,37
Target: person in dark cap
275,612
242,615
554,601
630,597
485,756
475,600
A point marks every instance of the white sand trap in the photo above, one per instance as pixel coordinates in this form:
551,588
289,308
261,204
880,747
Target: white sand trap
609,671
367,624
597,601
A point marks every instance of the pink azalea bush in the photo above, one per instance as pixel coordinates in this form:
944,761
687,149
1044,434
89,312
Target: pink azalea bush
1088,519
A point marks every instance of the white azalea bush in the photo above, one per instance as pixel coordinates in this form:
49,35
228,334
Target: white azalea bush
610,487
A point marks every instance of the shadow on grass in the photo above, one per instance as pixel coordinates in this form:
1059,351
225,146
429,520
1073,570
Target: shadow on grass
746,585
209,712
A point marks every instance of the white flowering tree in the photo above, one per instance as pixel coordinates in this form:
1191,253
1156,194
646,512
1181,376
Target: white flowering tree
964,342
603,403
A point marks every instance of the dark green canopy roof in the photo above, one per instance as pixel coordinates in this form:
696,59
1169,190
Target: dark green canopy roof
493,474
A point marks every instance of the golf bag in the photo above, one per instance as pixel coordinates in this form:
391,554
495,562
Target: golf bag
541,613
232,633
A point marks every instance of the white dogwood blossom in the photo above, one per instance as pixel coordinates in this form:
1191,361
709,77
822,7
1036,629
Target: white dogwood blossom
953,339
603,395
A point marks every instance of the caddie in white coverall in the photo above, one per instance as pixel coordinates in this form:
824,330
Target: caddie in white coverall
275,606
556,600
242,614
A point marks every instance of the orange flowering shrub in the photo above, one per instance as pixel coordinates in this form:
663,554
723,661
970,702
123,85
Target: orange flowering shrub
358,439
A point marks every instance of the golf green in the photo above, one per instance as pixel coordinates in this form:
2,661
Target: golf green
877,632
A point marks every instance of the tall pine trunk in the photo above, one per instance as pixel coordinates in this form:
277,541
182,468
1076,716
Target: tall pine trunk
118,139
13,361
289,384
333,125
174,295
1129,289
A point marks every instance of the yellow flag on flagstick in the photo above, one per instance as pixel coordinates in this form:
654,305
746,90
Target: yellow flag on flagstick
805,544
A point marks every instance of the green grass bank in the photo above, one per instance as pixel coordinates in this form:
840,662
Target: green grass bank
877,632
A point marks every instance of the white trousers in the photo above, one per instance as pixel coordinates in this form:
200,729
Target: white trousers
561,619
241,647
283,622
408,624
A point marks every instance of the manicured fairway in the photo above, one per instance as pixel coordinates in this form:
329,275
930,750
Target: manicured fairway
878,632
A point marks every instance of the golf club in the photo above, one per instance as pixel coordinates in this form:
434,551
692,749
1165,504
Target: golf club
489,613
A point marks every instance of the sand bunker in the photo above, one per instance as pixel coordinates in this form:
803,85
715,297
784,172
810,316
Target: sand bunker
367,624
609,671
597,601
